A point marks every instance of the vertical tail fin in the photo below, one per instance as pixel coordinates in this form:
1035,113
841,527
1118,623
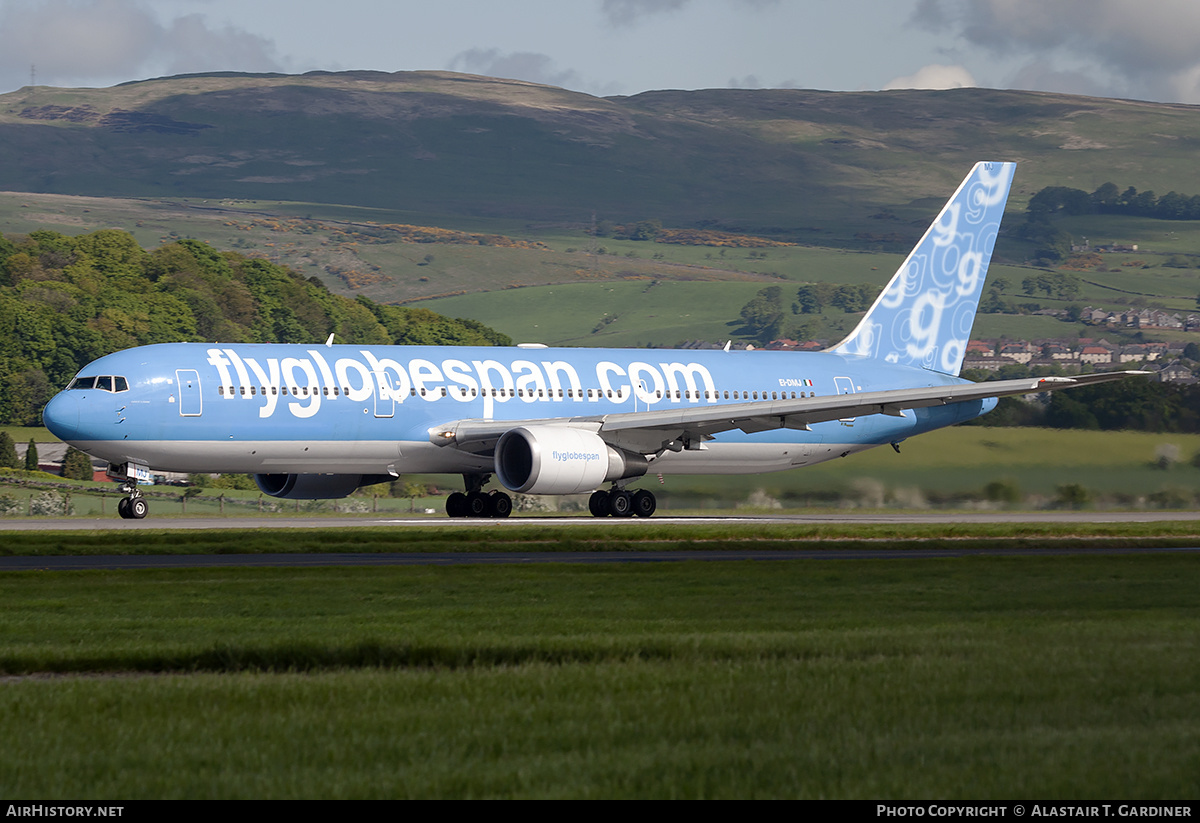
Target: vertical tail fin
924,315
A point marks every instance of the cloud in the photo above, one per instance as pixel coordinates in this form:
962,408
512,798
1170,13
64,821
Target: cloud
624,13
1042,75
96,42
934,76
192,46
1140,49
522,65
627,13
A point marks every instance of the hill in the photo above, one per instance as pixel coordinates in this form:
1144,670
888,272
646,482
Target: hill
527,207
784,162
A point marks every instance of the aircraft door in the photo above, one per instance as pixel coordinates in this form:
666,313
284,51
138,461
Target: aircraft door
385,395
190,402
844,385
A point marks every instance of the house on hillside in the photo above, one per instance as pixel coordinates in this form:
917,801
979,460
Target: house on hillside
1176,372
1095,355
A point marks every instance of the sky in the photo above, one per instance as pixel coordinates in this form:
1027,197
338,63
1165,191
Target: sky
1139,49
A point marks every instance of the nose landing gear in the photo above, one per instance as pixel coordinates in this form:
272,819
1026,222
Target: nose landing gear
133,507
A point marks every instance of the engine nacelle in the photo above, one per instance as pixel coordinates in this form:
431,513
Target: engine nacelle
314,486
560,460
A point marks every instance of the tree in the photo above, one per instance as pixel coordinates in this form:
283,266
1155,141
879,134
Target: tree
812,299
763,315
8,451
1106,197
409,489
76,465
31,456
646,230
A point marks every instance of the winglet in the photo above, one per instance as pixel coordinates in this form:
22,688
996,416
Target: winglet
924,315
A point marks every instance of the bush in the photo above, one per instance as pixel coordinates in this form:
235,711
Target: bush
1072,495
49,504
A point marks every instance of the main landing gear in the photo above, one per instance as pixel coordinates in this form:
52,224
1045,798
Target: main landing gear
620,503
133,507
476,502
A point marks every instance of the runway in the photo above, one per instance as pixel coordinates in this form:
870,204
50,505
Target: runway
116,524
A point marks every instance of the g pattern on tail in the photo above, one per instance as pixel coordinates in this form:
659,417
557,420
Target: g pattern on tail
924,315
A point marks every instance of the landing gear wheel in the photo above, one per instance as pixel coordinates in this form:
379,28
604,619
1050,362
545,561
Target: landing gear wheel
456,505
644,503
598,504
499,505
138,508
620,503
123,508
477,504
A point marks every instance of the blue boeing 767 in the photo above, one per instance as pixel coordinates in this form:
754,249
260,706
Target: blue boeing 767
320,421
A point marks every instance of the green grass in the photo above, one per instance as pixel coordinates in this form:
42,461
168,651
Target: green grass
1039,677
966,458
596,536
23,434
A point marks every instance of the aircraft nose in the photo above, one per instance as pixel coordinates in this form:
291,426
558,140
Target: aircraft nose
61,415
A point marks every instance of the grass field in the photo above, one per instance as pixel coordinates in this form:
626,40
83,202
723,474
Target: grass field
962,459
1047,677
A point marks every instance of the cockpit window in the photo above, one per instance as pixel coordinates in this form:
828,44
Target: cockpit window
109,383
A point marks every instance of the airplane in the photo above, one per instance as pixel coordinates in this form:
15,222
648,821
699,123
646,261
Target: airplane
320,421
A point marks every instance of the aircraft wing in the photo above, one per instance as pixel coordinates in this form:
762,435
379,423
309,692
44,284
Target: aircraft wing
677,428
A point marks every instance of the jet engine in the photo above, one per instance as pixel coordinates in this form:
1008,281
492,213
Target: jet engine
314,486
560,460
